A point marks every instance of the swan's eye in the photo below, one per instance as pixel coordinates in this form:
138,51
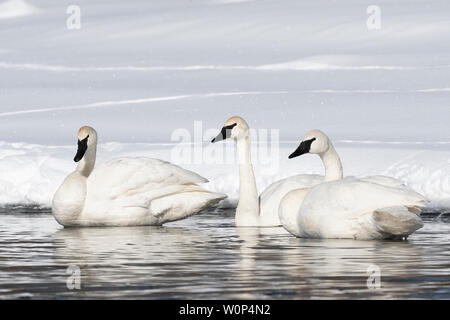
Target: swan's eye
304,147
225,133
82,142
308,143
82,147
230,127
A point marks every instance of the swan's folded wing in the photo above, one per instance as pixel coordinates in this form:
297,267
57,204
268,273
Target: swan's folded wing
351,198
132,176
181,199
144,198
342,208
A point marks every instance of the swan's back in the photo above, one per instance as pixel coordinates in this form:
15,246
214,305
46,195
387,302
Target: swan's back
118,177
271,197
347,209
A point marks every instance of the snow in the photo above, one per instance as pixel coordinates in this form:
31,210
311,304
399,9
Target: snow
16,8
32,173
139,70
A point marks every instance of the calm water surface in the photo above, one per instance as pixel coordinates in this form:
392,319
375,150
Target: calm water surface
206,257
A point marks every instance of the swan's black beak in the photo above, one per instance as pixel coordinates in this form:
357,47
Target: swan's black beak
225,133
82,147
303,148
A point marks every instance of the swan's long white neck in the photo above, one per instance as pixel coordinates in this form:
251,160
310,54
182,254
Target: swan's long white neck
247,211
332,163
87,163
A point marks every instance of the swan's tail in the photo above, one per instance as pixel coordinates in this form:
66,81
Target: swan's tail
399,221
212,199
187,201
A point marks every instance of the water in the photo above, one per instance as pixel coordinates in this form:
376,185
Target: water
205,257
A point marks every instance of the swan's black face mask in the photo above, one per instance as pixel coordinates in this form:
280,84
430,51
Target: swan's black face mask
303,148
82,147
225,133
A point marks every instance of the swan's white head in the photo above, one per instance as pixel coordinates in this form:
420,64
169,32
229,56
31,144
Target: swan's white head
235,128
87,139
315,141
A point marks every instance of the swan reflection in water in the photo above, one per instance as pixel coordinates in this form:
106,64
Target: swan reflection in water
274,263
144,258
209,258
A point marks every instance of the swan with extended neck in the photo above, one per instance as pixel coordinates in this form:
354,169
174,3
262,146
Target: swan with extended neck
263,210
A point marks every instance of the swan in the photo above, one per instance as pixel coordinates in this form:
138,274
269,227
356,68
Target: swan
127,191
253,211
368,208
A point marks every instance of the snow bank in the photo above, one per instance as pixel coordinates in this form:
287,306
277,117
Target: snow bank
139,70
30,174
16,8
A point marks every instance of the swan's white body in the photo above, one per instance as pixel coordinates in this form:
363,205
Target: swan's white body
129,192
352,208
270,198
376,207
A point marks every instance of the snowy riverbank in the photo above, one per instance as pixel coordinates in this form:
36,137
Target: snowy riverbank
32,173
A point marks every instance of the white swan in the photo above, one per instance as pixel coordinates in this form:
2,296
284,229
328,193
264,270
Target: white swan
263,211
127,191
371,208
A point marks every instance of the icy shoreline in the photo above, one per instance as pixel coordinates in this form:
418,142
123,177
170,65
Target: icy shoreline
31,173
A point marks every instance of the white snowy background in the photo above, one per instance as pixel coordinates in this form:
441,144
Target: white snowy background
138,70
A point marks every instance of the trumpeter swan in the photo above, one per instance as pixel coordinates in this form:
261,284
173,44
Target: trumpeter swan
127,191
369,208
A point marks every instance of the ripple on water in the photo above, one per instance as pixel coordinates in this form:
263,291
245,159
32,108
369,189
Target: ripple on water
205,257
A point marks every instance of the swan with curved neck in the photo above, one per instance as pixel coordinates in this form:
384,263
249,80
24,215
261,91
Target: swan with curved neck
127,191
317,142
374,207
263,210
